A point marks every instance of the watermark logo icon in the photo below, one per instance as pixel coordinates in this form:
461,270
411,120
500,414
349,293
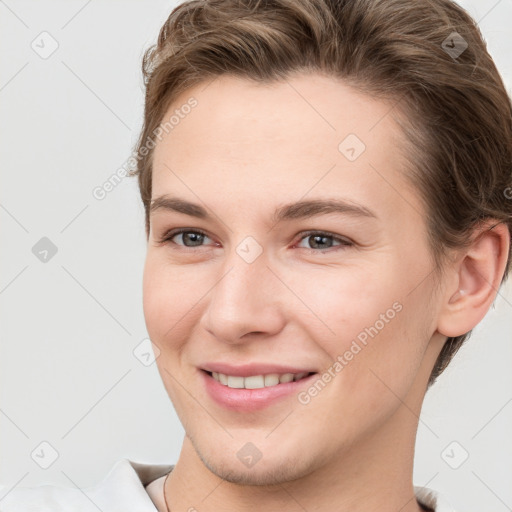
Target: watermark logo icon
249,249
44,250
44,455
146,352
455,455
45,45
454,45
249,454
351,147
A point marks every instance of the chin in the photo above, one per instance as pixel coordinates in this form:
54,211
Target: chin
273,474
265,472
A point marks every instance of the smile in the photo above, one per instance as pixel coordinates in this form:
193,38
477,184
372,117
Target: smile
251,393
257,381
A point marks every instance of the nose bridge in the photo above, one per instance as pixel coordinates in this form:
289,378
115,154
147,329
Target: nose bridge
244,299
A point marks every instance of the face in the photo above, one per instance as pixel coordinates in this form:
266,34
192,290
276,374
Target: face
255,287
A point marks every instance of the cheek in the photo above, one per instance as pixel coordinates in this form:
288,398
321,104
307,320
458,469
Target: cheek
162,313
171,300
350,304
160,299
151,298
371,324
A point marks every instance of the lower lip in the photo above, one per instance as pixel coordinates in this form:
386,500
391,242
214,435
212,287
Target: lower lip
247,400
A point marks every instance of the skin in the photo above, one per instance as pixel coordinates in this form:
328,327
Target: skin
244,150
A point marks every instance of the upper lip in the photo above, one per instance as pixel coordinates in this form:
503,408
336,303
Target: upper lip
246,370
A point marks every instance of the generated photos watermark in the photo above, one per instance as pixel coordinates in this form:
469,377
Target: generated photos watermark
101,191
344,359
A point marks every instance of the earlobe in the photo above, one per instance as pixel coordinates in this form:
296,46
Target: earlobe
477,277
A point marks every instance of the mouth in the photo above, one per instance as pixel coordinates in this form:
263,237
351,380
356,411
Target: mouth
253,392
257,381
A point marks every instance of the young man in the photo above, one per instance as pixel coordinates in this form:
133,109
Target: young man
324,186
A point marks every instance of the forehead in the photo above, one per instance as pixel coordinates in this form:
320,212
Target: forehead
310,134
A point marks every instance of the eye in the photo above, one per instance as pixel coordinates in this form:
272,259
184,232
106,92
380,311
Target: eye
194,237
319,239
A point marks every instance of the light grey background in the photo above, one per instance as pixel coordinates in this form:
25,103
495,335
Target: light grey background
69,326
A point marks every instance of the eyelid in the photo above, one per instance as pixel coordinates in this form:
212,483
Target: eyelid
171,233
343,239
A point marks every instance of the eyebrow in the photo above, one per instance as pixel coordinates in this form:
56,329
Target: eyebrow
298,210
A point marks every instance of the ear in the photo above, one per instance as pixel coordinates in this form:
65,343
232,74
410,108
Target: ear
474,279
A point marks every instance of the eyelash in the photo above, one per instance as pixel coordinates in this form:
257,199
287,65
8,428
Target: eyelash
169,235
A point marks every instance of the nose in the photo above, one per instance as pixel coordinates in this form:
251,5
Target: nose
244,302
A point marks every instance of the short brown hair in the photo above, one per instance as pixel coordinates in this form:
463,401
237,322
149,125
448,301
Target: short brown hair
457,116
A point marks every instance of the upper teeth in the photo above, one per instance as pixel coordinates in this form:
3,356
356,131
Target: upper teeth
256,381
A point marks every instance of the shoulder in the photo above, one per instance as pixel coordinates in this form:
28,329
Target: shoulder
123,488
432,499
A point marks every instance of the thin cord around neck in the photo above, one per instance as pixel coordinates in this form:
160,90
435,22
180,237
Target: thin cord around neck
165,497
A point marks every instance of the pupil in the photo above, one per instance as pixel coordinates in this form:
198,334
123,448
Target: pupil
319,237
197,236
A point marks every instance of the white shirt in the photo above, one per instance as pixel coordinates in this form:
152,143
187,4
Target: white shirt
124,490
